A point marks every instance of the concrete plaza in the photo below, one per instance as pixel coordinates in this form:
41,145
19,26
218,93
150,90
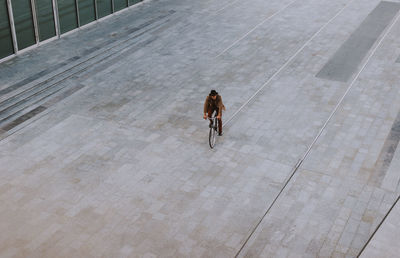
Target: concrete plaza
104,152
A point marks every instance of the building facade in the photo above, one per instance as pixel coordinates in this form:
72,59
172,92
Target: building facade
28,23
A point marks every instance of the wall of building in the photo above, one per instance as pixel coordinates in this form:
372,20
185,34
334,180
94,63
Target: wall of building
28,23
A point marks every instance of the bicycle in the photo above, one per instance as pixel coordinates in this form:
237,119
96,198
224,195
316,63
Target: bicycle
213,131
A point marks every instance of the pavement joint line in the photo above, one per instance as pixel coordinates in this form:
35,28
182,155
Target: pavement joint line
300,161
377,227
90,66
226,6
298,164
351,85
23,125
286,64
269,208
84,68
258,25
111,46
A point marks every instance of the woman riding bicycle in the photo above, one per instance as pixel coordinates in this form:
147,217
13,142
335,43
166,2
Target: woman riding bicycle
214,103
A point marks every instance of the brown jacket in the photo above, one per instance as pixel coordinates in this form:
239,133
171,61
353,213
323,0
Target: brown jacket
210,103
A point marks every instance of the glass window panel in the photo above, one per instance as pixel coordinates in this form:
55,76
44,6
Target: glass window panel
104,8
132,2
23,21
45,18
86,11
6,45
67,13
120,4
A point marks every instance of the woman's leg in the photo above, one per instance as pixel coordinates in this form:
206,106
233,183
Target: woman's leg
220,125
219,122
210,111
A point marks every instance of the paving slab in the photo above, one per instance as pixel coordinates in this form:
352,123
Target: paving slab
342,173
384,242
349,56
121,166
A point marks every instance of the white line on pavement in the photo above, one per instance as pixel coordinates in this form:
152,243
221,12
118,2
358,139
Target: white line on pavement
300,161
320,132
226,6
350,86
286,63
253,29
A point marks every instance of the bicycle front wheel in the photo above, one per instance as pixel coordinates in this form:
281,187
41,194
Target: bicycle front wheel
211,137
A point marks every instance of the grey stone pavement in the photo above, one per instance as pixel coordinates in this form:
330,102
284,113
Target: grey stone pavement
385,242
118,163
